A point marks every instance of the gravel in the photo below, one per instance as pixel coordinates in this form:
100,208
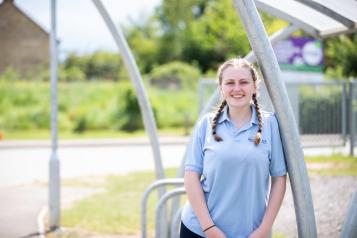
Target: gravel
331,198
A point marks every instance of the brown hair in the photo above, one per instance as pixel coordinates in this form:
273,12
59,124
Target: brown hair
243,63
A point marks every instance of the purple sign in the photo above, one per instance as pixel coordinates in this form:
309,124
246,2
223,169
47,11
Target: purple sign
302,54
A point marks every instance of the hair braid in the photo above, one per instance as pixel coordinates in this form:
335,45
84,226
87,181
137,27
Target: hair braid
215,119
260,120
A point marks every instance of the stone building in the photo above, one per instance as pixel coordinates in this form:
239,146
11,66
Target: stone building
24,45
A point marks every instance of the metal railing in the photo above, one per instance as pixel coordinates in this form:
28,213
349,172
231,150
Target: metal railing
160,219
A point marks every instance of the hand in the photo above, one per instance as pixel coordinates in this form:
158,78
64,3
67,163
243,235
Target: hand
258,233
215,232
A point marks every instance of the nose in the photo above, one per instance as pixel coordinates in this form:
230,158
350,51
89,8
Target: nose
237,87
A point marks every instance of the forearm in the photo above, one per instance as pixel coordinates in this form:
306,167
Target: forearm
276,197
196,198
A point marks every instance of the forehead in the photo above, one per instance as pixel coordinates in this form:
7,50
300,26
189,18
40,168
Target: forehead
236,73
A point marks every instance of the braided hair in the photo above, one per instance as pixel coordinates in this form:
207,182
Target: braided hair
239,62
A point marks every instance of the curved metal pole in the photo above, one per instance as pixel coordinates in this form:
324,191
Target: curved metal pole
349,229
154,185
290,136
54,164
213,100
145,107
159,210
175,224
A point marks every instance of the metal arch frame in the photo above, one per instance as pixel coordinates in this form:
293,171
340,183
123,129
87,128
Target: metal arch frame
144,200
329,9
301,21
159,210
299,179
144,103
145,108
349,229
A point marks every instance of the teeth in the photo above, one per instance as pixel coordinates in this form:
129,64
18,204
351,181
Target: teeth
238,96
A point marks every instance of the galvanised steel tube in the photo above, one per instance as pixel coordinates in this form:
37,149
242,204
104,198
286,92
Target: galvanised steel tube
214,99
352,116
290,136
159,211
144,200
54,164
349,229
145,107
175,224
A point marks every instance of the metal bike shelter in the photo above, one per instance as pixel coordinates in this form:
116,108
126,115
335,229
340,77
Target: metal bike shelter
320,18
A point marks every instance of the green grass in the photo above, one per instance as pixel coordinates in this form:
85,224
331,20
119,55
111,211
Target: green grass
46,134
334,165
117,211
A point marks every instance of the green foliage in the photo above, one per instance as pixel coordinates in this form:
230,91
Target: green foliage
174,108
99,65
10,74
341,56
94,105
215,36
175,75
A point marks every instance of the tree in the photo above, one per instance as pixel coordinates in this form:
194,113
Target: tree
341,56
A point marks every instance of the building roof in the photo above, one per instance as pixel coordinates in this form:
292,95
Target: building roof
320,18
26,14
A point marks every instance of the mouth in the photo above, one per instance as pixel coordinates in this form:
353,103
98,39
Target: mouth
237,96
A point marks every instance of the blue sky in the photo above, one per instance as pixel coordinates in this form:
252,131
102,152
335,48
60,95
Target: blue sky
80,27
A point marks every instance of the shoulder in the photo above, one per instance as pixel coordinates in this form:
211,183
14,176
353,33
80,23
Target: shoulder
270,118
203,122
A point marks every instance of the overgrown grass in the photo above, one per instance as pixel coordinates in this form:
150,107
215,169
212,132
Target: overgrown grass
93,107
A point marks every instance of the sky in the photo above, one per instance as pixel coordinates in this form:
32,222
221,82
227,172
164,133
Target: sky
80,28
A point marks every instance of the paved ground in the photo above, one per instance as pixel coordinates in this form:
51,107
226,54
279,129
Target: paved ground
24,170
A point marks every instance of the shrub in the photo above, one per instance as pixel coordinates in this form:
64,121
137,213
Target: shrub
175,75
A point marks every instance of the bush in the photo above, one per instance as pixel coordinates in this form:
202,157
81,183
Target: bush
90,106
175,75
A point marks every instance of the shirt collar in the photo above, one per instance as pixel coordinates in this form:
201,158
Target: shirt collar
224,115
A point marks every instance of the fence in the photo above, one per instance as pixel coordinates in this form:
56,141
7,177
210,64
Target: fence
322,108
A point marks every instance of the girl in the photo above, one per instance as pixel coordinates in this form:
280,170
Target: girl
227,169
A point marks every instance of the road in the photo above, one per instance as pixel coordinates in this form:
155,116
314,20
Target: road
24,173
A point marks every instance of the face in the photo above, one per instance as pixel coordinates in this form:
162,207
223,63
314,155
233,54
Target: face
237,87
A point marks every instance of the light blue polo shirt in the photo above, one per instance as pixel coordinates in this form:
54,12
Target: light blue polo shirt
235,172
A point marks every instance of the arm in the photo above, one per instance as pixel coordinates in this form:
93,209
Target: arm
197,200
276,197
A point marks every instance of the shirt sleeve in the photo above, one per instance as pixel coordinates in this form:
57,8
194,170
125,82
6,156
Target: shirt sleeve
194,153
277,163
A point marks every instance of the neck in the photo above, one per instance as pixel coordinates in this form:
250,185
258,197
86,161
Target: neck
240,115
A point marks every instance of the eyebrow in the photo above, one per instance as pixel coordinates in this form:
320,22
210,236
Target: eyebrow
230,79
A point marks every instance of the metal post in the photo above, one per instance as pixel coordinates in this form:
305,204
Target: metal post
349,229
145,107
352,117
290,135
159,231
343,119
175,224
54,165
144,200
